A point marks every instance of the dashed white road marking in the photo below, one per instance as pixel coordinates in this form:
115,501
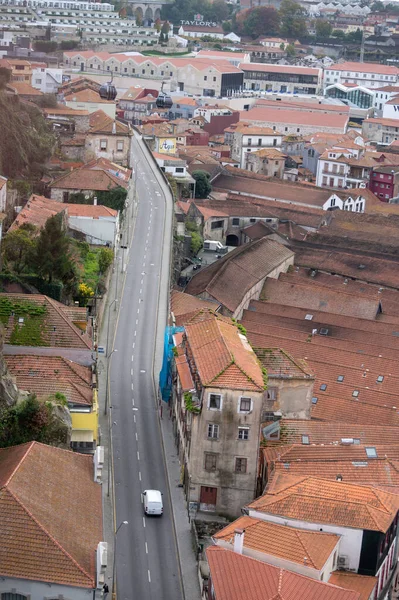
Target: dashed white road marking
134,343
134,418
140,475
138,455
132,357
135,333
131,372
144,521
146,549
137,437
133,401
138,311
149,576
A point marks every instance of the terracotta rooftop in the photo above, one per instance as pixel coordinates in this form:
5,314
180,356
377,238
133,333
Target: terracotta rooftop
334,502
301,105
184,306
47,375
56,329
279,363
222,356
381,121
102,123
352,581
363,67
38,209
231,277
88,179
256,231
50,515
87,95
329,433
24,89
288,543
288,69
65,111
237,577
294,117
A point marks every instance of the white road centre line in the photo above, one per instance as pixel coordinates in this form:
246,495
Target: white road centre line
134,343
143,521
132,357
141,290
146,549
135,333
137,321
137,437
138,455
132,387
131,372
149,576
138,311
140,475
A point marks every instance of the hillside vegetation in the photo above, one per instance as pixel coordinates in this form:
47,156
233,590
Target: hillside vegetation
26,140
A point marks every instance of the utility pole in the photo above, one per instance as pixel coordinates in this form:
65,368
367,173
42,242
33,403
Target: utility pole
361,59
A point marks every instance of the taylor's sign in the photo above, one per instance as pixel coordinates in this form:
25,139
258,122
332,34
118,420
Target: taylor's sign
199,23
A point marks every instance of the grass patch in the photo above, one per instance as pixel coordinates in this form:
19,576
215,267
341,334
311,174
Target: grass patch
30,332
90,274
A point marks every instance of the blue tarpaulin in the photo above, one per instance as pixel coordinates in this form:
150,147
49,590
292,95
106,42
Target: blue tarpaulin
165,376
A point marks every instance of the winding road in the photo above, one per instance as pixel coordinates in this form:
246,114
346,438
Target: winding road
146,552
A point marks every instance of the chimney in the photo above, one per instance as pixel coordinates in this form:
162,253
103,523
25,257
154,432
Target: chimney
238,540
95,201
114,127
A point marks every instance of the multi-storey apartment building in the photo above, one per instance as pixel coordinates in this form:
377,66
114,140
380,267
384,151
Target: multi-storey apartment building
282,78
369,75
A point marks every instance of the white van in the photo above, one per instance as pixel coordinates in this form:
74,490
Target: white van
152,502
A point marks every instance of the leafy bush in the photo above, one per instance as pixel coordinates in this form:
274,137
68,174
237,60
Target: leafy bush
106,256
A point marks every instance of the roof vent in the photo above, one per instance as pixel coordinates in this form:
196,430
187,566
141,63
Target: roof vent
339,477
347,441
323,331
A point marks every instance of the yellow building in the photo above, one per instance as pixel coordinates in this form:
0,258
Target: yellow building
46,376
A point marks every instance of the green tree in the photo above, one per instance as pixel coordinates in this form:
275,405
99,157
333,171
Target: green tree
290,50
262,20
196,242
323,29
47,101
19,246
45,46
378,6
339,34
203,186
293,21
115,198
53,258
218,11
354,36
106,256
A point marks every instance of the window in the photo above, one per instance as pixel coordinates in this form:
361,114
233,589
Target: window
210,462
371,452
314,400
380,378
119,146
259,141
213,431
179,170
243,433
355,393
103,144
305,440
245,404
215,402
214,79
13,596
205,78
323,387
236,222
249,141
340,378
241,465
217,225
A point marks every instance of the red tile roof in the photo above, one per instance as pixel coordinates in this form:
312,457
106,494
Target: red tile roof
38,209
102,123
364,68
47,375
288,69
87,95
56,330
50,515
222,356
294,117
88,179
237,577
334,502
184,306
233,276
352,581
288,543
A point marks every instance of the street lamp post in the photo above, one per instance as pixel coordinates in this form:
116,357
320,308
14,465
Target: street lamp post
114,560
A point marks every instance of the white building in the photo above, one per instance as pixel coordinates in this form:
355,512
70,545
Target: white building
369,75
245,138
47,80
382,96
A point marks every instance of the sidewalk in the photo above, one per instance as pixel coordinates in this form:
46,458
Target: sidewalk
108,325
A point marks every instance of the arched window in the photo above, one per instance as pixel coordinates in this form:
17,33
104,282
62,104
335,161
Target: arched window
13,596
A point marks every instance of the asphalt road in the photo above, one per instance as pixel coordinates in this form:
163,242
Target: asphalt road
146,551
